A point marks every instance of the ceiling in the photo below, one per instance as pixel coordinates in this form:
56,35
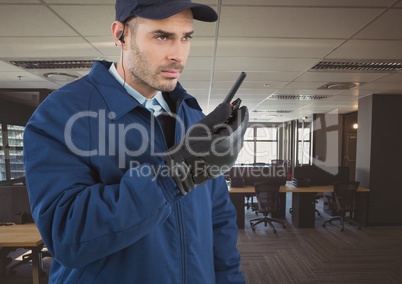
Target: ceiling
277,42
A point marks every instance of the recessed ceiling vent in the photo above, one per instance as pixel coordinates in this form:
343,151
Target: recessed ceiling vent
298,97
340,85
54,64
359,65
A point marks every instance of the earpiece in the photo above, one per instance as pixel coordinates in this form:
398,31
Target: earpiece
121,36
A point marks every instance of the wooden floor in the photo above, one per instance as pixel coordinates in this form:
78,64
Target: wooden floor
320,255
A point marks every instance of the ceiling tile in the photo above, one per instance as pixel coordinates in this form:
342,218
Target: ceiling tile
382,86
275,47
20,2
111,2
263,64
380,28
198,63
318,3
46,47
105,45
189,75
202,29
356,93
299,22
5,66
396,77
313,76
31,20
369,49
29,85
19,76
88,20
202,46
262,76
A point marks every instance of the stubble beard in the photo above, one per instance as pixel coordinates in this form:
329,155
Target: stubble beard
142,73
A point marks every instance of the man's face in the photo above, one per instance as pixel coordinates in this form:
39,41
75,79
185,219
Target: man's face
157,52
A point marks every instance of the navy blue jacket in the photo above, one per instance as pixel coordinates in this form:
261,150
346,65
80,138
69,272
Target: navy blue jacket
103,204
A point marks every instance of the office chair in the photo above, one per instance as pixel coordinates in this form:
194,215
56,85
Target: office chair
316,210
27,258
305,182
250,204
4,259
268,202
317,197
345,202
239,182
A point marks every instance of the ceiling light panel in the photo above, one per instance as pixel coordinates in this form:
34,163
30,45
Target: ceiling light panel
359,65
297,97
53,64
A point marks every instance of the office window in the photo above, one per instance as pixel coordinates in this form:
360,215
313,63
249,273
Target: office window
246,155
2,166
260,145
11,152
2,156
304,144
15,135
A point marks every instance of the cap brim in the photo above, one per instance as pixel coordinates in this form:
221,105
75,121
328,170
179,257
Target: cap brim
165,10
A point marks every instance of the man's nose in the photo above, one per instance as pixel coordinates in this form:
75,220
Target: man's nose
178,51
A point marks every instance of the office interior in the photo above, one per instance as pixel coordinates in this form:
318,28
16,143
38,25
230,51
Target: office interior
326,76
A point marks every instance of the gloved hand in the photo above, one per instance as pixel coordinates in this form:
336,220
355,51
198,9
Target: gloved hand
209,148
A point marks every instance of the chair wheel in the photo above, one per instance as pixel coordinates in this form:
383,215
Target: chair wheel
274,231
324,225
284,226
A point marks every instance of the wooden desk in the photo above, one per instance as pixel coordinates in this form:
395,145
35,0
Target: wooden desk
24,236
304,198
237,195
318,188
303,203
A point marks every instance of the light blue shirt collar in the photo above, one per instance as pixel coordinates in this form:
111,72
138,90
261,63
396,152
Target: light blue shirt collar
136,95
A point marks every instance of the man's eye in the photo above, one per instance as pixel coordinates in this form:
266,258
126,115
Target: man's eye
161,37
187,37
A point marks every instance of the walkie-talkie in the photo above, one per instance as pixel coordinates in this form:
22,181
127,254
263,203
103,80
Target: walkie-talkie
236,103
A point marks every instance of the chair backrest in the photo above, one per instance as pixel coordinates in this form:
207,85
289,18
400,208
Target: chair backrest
267,197
14,199
345,195
322,175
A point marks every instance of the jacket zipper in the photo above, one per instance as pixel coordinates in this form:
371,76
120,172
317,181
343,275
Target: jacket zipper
182,242
180,217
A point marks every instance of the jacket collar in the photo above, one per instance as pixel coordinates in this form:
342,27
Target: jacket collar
111,89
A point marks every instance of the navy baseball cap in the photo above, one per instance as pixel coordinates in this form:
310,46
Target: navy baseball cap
162,9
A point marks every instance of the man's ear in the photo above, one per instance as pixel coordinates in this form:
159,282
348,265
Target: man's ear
118,29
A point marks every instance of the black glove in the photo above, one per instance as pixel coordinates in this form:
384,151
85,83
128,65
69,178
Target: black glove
209,148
